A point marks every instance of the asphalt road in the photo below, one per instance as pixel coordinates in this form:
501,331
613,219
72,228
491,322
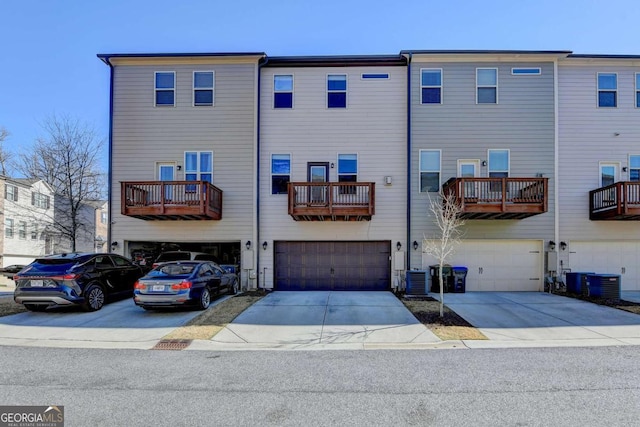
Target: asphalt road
506,387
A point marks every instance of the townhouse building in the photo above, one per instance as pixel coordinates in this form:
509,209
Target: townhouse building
26,211
599,165
326,165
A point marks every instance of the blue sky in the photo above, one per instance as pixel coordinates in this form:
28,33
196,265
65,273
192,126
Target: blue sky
48,48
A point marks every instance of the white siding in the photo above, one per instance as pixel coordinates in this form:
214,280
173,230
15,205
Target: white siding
373,126
144,135
523,121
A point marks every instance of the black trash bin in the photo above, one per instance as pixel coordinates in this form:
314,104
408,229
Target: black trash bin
447,273
459,279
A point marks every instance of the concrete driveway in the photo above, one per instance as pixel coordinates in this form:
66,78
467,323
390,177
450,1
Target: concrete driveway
120,324
322,320
523,319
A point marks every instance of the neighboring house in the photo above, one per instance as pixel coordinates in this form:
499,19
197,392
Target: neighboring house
599,165
183,152
333,162
483,125
102,225
26,210
91,229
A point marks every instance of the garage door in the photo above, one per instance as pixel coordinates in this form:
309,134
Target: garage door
344,266
500,265
610,257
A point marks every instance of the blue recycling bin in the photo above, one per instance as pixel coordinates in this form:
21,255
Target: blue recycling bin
577,282
459,279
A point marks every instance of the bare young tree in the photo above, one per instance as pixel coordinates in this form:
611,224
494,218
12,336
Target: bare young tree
445,212
67,158
5,156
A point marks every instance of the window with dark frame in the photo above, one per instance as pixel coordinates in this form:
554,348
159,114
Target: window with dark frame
283,91
280,173
637,90
40,200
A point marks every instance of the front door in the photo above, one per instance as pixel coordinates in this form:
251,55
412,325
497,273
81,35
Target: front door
469,169
166,173
318,173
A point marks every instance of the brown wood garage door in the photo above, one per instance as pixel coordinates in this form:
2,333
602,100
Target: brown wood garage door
336,266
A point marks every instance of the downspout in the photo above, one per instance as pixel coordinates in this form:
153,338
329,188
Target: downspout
258,245
409,162
110,172
556,152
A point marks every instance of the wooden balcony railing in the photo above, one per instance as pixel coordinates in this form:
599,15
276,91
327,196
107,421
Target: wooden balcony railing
334,201
499,198
171,200
619,201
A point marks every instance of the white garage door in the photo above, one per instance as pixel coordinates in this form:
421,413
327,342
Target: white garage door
500,265
610,257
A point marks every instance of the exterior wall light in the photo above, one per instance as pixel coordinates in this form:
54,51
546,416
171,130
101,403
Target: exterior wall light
264,245
415,245
552,245
563,245
398,245
248,244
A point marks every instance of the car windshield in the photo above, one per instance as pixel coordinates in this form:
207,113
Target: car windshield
172,270
173,256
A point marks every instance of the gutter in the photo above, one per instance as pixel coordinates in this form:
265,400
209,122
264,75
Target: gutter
258,245
107,61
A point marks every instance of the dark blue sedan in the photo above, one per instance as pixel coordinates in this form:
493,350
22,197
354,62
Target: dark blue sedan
183,283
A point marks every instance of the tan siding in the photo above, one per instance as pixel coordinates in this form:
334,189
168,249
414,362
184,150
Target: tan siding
586,135
373,125
522,121
144,134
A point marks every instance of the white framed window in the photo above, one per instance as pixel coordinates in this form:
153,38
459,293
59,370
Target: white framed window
34,231
526,71
283,91
8,228
607,90
430,170
431,85
198,166
347,172
40,200
609,173
637,90
374,76
337,91
22,230
486,85
104,217
634,167
499,163
280,173
203,85
165,88
11,192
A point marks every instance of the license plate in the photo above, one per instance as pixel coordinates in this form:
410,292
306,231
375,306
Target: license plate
158,288
37,283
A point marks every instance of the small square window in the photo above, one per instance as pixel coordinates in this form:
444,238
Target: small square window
283,91
203,82
165,83
337,91
431,86
487,85
607,90
280,173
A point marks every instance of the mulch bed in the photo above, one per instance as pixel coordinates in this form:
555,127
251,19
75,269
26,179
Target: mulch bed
429,314
629,306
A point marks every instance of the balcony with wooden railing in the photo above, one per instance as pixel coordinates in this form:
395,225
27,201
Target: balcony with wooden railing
619,201
331,201
171,200
499,198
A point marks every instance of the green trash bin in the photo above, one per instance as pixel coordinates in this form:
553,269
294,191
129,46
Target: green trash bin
447,273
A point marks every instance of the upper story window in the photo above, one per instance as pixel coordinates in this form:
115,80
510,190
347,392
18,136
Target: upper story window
608,173
203,88
165,88
198,166
431,86
104,217
430,170
40,200
534,71
34,231
337,91
347,168
634,168
22,230
374,76
607,90
283,91
498,163
637,90
8,227
486,85
280,173
11,192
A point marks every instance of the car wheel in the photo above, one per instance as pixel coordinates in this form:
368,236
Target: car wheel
93,298
205,299
233,289
35,307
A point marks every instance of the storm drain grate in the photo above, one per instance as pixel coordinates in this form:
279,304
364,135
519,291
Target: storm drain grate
172,345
